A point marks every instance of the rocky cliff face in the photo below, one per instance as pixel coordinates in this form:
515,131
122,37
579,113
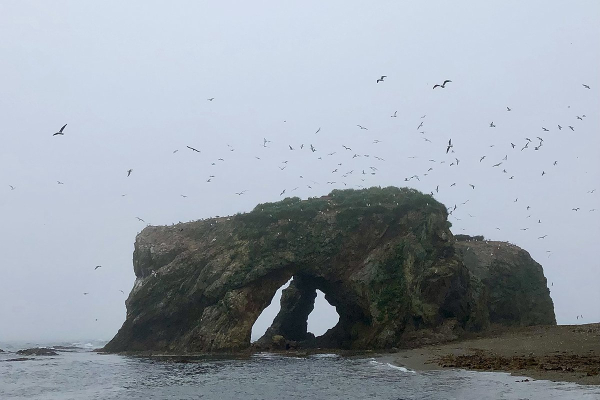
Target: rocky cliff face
516,291
385,258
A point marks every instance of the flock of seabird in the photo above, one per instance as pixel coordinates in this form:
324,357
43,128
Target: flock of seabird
372,170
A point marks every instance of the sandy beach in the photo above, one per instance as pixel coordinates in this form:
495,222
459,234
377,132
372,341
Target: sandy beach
558,353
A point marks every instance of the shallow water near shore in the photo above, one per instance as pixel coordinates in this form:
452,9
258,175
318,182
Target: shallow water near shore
79,373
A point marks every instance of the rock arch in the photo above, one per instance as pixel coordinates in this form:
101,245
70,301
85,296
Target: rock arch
385,258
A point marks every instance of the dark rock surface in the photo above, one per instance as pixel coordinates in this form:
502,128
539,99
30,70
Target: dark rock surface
37,351
19,359
385,258
516,289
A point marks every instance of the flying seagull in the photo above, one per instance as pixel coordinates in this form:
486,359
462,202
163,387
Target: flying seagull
508,109
361,127
492,124
193,149
542,237
60,183
211,99
129,171
394,116
139,219
12,187
97,266
420,125
443,85
318,130
449,146
381,79
585,86
61,131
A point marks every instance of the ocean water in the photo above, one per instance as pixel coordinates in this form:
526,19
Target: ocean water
81,374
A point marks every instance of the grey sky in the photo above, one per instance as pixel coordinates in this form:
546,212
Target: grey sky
132,79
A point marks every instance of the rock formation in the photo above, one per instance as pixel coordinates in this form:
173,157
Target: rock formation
516,289
37,351
385,258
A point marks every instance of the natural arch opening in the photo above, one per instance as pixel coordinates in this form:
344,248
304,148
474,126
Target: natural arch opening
267,316
323,317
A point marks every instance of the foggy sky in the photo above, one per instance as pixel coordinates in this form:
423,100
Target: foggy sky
132,80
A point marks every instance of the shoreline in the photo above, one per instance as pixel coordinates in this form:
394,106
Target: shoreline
561,353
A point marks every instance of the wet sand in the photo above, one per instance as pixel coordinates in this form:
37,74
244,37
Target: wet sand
568,353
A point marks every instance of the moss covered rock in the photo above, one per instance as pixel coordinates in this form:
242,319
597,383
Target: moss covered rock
384,257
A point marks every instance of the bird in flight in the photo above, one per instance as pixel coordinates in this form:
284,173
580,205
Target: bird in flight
318,130
559,127
281,194
443,85
542,237
508,109
346,147
575,209
12,187
129,171
139,219
211,99
492,124
420,125
472,186
449,146
497,165
545,130
184,196
394,116
241,193
585,86
361,127
193,149
381,79
573,129
60,183
97,266
481,159
61,131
